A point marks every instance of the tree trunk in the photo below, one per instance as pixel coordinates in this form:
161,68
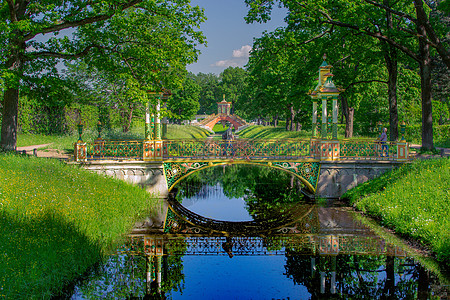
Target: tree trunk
9,119
287,122
14,64
349,123
129,118
275,120
423,290
428,31
348,113
291,117
389,285
390,57
392,95
425,82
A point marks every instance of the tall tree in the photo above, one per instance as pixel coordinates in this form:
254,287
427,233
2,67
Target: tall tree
413,34
184,101
232,84
22,54
210,93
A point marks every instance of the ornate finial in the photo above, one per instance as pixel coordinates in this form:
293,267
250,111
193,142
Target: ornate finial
324,56
223,97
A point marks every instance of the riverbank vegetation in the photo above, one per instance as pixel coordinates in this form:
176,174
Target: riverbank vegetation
57,221
413,200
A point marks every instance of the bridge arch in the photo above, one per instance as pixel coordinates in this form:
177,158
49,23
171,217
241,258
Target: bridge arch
306,171
181,220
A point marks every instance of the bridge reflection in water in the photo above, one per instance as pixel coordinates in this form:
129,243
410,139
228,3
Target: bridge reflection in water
326,250
292,247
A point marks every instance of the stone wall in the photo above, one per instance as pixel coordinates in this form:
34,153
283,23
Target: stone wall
338,177
148,175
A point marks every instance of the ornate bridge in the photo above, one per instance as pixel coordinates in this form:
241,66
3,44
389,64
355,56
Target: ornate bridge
302,158
223,115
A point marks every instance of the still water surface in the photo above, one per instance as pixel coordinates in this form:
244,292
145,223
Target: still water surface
278,245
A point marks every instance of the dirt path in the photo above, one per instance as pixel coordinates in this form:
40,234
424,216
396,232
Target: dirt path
44,150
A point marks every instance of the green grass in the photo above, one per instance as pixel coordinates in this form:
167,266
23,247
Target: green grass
414,200
269,132
186,132
218,128
58,221
65,142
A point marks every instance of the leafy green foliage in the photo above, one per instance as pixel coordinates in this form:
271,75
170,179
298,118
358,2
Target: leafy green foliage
184,102
104,34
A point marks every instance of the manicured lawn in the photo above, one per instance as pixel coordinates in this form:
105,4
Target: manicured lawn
414,200
57,221
269,132
65,142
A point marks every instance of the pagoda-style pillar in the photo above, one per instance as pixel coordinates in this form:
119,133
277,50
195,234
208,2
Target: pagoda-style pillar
157,141
157,132
314,119
334,128
159,272
147,122
165,121
402,145
149,273
324,119
326,149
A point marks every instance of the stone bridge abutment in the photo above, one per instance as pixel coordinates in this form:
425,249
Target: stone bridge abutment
335,177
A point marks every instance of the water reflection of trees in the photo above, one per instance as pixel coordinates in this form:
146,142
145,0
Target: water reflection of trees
125,275
358,276
265,190
327,276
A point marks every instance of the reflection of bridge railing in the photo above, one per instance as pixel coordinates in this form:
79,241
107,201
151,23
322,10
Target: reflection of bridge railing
273,245
241,149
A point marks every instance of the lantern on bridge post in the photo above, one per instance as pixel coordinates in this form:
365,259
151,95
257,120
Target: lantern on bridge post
80,148
325,91
165,121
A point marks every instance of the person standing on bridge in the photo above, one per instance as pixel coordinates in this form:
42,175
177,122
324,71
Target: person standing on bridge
383,140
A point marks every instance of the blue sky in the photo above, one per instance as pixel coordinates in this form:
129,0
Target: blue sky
229,37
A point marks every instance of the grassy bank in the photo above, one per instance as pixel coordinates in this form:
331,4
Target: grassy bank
57,221
65,142
414,200
269,132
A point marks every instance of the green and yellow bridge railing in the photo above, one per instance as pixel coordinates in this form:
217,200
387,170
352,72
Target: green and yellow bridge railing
240,149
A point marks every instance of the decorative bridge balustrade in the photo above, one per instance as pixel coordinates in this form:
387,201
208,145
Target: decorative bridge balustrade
237,149
241,149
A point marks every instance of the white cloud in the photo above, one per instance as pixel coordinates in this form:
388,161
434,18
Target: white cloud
226,63
239,58
243,52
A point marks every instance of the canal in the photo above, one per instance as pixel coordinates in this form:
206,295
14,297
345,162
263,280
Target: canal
248,232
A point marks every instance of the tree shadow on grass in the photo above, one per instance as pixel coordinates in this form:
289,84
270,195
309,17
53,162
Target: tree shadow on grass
42,256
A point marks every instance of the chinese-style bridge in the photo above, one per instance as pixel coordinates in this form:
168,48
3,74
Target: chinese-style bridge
327,168
326,165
